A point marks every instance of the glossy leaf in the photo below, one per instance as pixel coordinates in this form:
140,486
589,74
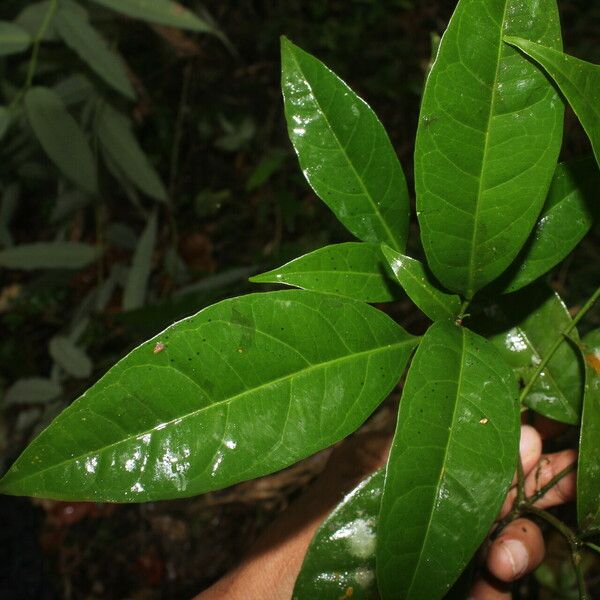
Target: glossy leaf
567,216
588,466
13,39
577,79
341,556
162,12
114,131
488,139
54,255
343,150
93,49
416,282
61,137
71,358
354,269
134,294
524,326
243,388
32,390
451,463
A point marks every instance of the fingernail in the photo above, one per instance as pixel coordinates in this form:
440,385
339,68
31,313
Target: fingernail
517,556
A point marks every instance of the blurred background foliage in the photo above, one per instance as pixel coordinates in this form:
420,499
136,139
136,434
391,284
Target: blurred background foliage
145,172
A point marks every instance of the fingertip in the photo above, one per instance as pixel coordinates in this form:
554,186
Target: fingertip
530,447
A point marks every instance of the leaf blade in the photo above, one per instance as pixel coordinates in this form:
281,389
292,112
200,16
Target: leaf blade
117,139
414,280
341,555
353,269
70,357
13,39
61,137
344,152
482,108
577,79
93,49
451,463
134,294
162,12
188,424
567,216
588,478
524,326
55,255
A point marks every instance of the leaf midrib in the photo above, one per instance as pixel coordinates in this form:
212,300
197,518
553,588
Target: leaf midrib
444,461
198,411
471,272
366,192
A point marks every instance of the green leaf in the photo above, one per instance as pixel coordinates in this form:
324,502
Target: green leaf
588,475
114,131
32,17
243,388
488,139
577,79
32,390
524,326
13,39
71,358
566,217
53,255
93,49
341,555
354,269
416,282
61,137
451,463
344,151
162,12
134,295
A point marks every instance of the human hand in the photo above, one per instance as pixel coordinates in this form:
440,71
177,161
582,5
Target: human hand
270,569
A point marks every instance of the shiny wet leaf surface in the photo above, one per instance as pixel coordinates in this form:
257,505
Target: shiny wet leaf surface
241,389
451,462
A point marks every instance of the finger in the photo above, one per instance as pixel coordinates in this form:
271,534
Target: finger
489,590
548,466
516,551
551,465
530,449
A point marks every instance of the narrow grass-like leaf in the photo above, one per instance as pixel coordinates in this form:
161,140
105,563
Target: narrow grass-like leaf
162,12
70,357
524,326
243,388
415,281
53,255
13,39
577,79
61,137
588,474
451,463
31,390
118,141
566,217
488,139
356,270
341,555
93,49
343,150
134,294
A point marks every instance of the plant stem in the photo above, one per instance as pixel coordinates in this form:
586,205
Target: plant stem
591,301
531,500
37,42
574,543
